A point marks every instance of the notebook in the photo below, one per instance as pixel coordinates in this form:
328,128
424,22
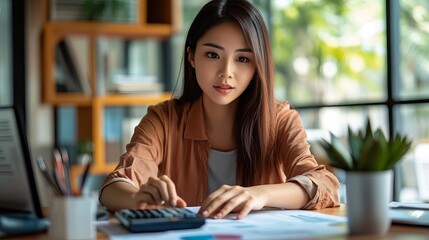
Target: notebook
20,210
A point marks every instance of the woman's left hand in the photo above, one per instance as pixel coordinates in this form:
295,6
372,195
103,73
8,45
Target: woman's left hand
233,199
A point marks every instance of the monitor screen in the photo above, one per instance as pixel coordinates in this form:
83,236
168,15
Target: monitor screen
17,182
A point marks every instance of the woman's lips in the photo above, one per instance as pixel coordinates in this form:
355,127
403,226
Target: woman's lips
223,88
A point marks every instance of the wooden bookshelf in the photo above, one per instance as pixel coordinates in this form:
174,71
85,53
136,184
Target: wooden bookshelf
155,19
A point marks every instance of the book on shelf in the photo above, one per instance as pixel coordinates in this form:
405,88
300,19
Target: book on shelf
136,84
71,72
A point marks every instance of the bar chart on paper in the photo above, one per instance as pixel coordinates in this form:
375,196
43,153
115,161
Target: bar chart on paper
277,224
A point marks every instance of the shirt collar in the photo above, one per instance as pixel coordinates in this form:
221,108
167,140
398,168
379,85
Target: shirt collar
195,128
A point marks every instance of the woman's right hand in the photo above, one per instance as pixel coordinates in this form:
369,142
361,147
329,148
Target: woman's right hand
158,192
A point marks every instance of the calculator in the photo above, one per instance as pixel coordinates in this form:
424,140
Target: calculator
154,220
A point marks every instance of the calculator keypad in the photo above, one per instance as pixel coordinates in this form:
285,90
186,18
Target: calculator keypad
149,220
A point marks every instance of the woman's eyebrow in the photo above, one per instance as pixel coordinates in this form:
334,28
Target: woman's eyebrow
223,49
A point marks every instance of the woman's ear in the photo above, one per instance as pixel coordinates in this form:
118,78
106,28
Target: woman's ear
190,57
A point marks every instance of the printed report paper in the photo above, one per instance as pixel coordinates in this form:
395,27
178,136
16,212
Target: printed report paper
264,224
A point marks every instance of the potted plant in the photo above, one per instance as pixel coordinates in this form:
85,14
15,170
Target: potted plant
368,162
113,10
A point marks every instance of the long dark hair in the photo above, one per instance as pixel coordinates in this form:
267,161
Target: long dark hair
256,108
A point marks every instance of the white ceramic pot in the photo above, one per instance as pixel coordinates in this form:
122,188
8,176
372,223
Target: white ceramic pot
368,197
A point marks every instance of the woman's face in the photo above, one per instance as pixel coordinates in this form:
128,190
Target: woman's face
224,63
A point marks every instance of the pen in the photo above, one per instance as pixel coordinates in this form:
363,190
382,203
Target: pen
58,172
66,166
85,172
42,167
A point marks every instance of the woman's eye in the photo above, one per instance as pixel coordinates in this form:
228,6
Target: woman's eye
242,59
212,55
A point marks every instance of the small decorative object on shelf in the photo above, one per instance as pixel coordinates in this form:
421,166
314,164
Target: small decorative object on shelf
113,10
368,165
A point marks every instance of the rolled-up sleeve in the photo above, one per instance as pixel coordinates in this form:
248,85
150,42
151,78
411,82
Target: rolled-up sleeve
143,153
300,165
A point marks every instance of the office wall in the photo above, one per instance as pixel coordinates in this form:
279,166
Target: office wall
39,116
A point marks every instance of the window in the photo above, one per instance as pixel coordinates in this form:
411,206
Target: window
5,53
338,62
12,56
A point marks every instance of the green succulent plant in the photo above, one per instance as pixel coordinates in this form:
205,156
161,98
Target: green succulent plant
367,150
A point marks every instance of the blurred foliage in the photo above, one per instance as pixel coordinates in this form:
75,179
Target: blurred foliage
414,46
350,38
336,32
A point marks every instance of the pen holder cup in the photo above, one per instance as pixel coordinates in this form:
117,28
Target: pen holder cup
73,217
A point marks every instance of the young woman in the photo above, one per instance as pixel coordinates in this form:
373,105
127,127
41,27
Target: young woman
225,144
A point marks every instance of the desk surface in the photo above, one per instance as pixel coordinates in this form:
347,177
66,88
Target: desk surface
397,232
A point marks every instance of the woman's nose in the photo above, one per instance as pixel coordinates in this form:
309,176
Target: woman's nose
225,76
226,71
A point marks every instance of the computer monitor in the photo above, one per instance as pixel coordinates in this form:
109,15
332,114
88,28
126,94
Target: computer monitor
19,200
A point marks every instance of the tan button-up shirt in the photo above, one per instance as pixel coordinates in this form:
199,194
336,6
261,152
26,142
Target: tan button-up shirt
171,140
